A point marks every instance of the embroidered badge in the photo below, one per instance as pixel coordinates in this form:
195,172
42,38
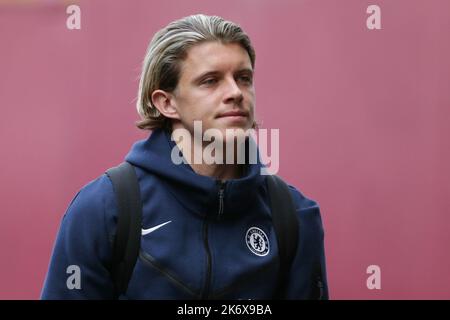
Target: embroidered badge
257,241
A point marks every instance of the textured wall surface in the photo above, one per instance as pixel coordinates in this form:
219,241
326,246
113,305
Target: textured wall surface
363,116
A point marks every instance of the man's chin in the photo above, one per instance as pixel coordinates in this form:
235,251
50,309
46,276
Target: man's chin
236,134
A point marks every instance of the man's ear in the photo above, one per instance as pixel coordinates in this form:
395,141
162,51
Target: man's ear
163,101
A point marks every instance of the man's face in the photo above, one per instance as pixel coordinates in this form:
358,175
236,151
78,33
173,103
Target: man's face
216,87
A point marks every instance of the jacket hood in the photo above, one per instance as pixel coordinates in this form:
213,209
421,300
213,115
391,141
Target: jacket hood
201,194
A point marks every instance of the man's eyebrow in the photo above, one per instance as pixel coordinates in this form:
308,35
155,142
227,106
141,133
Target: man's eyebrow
245,70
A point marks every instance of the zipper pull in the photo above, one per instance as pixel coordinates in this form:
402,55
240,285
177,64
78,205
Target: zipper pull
221,196
320,287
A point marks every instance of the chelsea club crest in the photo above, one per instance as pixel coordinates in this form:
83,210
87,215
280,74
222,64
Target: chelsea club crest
257,241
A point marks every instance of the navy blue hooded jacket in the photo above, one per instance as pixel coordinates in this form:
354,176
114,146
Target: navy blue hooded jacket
197,249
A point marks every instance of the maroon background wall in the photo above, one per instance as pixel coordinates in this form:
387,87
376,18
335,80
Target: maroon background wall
363,118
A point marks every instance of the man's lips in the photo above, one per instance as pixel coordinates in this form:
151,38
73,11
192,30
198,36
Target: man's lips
233,114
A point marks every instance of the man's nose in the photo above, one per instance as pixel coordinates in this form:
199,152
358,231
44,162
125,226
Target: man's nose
233,91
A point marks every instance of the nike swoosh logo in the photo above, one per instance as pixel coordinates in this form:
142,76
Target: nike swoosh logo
150,230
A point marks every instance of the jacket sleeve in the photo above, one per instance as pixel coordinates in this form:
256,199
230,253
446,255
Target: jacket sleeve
82,252
307,277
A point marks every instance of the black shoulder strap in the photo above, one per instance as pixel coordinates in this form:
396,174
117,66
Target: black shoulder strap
285,222
127,241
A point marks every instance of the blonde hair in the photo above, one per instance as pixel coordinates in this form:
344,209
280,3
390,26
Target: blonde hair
169,46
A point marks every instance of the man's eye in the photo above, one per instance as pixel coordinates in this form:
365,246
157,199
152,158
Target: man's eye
209,81
246,79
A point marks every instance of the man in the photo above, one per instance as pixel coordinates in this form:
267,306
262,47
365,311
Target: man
207,229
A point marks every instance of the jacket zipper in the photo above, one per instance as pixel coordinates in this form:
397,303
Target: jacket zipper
221,195
320,286
208,261
206,243
151,262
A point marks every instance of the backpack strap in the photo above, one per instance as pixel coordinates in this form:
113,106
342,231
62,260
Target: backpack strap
285,222
127,241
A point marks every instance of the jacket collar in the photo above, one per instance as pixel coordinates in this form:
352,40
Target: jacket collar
200,194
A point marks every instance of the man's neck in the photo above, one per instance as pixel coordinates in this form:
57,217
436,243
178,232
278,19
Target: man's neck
218,171
215,170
